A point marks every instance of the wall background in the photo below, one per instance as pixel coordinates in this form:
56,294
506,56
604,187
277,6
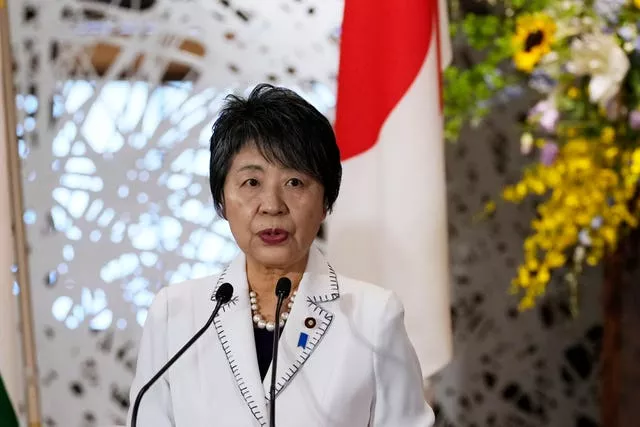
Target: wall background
538,368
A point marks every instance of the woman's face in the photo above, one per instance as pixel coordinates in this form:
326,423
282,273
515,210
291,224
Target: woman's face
274,213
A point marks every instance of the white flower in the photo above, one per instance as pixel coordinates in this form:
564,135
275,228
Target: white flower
526,143
609,9
584,237
628,32
599,56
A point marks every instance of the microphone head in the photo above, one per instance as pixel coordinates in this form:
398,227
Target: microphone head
224,293
283,287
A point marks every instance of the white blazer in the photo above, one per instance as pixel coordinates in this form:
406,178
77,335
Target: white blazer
357,367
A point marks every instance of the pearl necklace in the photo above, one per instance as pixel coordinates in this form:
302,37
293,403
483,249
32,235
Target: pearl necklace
259,320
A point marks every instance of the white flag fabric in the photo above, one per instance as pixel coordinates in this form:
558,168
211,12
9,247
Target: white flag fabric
389,225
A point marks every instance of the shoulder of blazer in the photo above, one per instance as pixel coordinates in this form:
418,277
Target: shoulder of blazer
365,294
183,294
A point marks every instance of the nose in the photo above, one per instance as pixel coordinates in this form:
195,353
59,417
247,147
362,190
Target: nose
272,202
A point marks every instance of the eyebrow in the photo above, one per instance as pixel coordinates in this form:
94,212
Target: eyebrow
250,167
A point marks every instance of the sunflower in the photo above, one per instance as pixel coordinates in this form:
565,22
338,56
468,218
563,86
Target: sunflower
532,40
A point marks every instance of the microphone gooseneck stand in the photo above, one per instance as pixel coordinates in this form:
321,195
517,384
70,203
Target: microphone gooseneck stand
283,289
223,296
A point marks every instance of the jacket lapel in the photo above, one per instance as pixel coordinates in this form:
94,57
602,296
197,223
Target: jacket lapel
235,331
308,321
300,336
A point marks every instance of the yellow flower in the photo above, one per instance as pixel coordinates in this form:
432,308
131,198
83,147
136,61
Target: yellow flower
543,276
609,234
608,135
523,277
526,303
636,3
573,92
571,200
635,160
532,40
552,177
529,244
570,232
587,189
597,197
546,244
490,207
576,146
509,194
536,185
592,260
555,259
612,152
583,218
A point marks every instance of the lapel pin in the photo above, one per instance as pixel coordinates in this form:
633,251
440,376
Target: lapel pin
302,340
310,322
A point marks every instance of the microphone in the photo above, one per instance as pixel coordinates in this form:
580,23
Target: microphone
283,288
223,296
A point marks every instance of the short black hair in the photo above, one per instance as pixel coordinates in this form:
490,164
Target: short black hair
285,128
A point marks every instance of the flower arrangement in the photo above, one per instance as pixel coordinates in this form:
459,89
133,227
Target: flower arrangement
582,136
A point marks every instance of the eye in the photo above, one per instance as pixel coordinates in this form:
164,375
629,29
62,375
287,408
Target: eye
251,182
294,182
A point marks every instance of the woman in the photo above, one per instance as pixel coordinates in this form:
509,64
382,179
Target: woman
344,356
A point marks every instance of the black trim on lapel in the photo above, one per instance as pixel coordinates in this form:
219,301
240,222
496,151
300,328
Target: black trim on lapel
318,285
232,302
313,342
334,291
292,357
254,407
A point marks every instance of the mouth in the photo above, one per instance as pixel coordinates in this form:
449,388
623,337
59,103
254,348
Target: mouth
274,236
